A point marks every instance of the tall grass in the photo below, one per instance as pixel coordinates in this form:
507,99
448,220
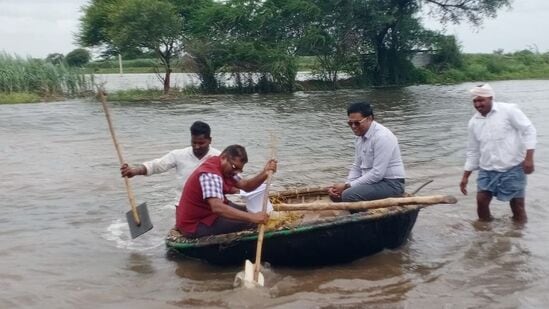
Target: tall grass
497,66
19,75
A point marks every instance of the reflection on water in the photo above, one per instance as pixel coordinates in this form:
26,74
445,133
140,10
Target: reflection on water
140,263
64,241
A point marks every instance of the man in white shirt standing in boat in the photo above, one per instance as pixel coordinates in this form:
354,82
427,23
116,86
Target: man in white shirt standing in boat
377,171
501,146
183,160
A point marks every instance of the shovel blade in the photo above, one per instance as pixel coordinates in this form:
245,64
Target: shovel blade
246,278
144,226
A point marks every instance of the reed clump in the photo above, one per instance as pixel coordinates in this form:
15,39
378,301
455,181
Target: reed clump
40,78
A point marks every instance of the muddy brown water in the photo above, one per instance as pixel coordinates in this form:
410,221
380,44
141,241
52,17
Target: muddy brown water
64,242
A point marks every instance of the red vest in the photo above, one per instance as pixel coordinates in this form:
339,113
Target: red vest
193,208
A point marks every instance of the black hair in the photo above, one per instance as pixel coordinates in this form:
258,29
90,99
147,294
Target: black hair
234,151
200,128
361,107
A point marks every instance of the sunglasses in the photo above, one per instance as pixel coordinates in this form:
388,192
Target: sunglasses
356,123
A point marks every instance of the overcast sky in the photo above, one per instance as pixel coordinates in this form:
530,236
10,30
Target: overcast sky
39,27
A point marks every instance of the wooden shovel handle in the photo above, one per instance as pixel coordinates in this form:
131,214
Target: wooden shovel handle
129,190
257,265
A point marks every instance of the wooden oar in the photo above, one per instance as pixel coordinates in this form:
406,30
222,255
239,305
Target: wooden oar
138,217
365,205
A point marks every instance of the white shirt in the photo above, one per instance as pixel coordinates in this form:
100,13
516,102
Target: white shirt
499,141
184,161
377,156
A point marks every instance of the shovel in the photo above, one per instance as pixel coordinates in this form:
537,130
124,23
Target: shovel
252,276
138,217
257,275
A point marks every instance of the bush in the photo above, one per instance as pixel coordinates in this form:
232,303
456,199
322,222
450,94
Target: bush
78,57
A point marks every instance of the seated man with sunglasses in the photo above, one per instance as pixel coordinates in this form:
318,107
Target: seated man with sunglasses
377,171
204,210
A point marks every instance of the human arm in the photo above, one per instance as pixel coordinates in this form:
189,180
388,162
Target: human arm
528,133
251,184
472,152
160,165
464,180
212,192
219,207
354,171
472,158
528,164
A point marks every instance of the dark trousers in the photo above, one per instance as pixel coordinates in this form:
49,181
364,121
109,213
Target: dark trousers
221,226
375,191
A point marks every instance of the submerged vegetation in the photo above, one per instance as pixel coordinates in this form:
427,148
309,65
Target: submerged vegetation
27,79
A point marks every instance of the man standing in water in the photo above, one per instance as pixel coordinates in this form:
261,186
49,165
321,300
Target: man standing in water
501,146
377,171
183,160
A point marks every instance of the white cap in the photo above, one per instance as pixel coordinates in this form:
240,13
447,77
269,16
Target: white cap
483,91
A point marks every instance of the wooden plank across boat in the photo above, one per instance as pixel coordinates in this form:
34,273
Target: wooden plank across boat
307,238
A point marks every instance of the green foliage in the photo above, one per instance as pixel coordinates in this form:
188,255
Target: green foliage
148,24
55,58
497,66
78,57
127,26
18,75
258,42
19,97
456,11
447,55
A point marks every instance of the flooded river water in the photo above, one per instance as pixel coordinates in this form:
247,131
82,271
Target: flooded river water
64,240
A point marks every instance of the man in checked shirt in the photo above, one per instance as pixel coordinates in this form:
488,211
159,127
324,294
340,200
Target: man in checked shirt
203,208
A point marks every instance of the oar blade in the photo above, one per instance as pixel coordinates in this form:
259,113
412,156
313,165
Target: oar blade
144,226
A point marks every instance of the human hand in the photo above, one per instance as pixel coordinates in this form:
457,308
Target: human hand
271,165
127,171
463,185
259,217
333,193
336,190
528,166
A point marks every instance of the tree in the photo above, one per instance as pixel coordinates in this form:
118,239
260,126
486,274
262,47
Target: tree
332,40
472,11
448,54
248,36
391,30
55,58
126,25
78,57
